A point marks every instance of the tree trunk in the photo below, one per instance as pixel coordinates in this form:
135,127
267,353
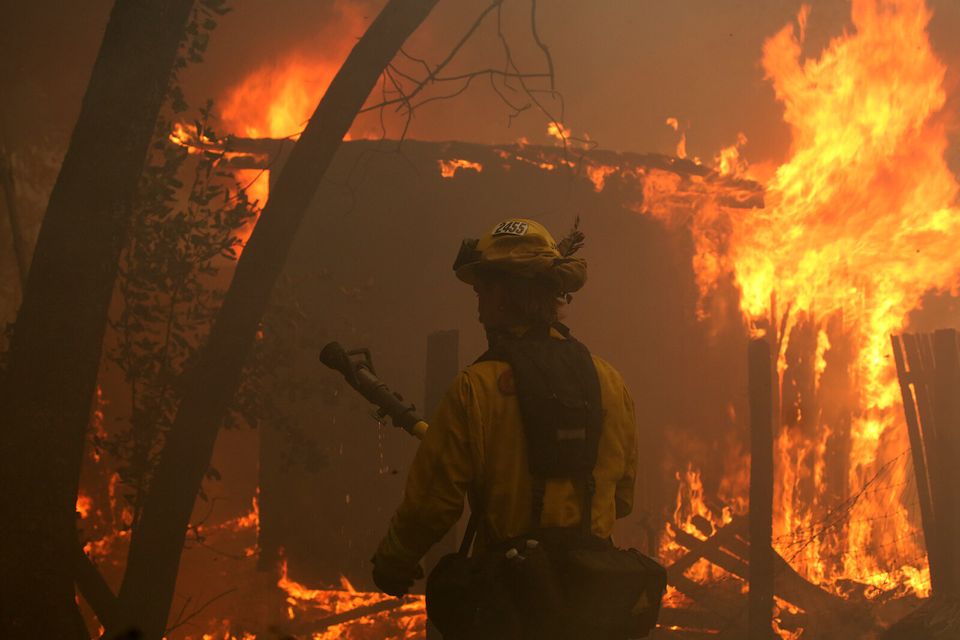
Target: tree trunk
156,545
46,392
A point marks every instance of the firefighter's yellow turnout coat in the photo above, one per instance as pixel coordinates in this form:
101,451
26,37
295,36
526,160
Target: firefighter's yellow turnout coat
476,446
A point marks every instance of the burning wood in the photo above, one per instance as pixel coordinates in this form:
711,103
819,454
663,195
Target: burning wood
346,613
825,256
449,168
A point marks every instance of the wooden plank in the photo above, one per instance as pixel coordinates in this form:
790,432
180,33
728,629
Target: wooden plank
920,360
919,352
921,473
696,548
687,624
919,376
799,591
723,608
739,546
760,599
714,554
788,584
946,394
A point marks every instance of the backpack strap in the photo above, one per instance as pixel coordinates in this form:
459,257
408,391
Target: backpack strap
470,533
559,394
538,490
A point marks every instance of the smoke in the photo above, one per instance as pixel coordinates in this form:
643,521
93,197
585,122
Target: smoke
623,68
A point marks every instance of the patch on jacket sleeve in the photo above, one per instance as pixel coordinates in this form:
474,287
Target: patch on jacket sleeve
506,384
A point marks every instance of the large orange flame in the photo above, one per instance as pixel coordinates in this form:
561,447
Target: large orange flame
277,99
860,223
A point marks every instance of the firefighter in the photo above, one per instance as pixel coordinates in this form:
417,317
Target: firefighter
483,441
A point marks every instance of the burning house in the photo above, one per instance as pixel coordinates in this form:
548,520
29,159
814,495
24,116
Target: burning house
784,329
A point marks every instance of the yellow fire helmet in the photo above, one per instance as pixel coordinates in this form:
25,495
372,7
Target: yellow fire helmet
524,248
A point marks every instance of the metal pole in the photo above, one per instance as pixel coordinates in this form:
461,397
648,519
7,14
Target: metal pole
946,394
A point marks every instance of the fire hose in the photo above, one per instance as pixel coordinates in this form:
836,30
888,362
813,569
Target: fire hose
356,366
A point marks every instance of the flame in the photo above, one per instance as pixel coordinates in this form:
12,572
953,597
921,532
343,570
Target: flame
692,515
84,505
558,131
96,424
449,168
598,175
681,150
256,183
676,599
861,221
867,204
729,161
406,620
189,140
277,99
539,160
779,607
252,519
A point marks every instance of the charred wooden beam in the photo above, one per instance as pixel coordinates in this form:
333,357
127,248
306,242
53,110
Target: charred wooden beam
391,607
715,554
360,612
799,591
726,550
697,549
723,609
946,393
930,386
919,456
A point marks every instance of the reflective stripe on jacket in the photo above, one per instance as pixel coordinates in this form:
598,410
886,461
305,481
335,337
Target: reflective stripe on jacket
476,445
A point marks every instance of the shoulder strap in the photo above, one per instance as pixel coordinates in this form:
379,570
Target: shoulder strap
473,523
559,394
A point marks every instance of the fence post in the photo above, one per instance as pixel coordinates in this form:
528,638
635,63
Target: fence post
760,601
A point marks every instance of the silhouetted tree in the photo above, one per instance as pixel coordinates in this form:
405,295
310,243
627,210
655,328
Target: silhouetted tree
155,548
54,352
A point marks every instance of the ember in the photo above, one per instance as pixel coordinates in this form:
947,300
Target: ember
449,168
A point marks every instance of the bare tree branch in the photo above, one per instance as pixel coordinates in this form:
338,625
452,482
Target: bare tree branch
181,621
543,47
